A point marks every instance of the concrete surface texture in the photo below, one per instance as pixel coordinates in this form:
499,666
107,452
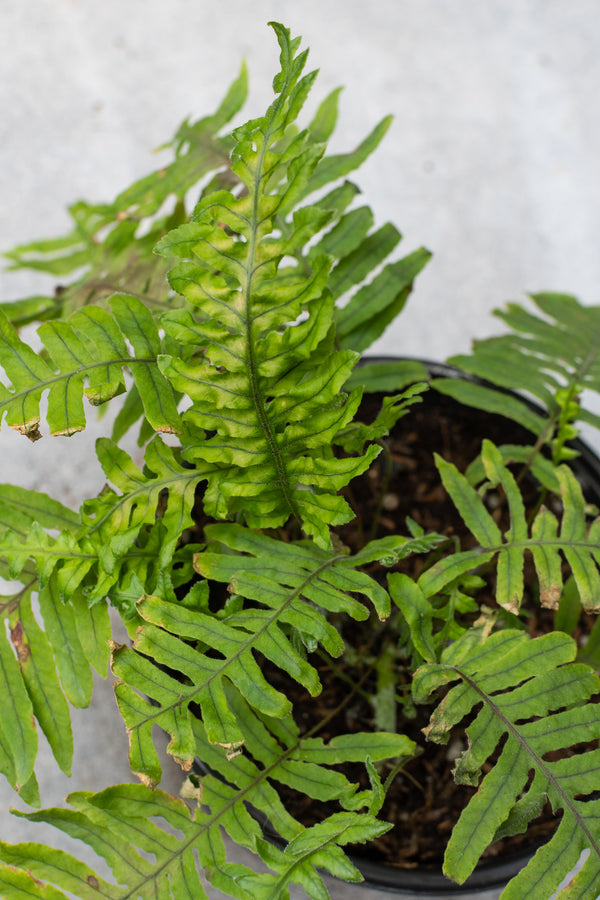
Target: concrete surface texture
492,162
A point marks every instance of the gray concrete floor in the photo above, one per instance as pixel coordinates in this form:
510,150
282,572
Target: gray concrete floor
493,162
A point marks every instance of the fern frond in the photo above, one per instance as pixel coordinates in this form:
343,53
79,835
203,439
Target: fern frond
553,350
317,574
128,533
530,695
289,588
163,492
20,506
260,286
18,737
155,845
545,538
388,376
44,667
110,248
85,356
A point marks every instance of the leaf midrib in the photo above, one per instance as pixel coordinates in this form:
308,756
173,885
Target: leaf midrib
257,398
537,760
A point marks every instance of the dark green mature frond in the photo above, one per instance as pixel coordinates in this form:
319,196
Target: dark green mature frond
156,846
533,697
554,354
46,664
545,538
84,356
290,588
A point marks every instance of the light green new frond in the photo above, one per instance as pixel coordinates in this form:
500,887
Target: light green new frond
531,695
553,351
547,540
266,356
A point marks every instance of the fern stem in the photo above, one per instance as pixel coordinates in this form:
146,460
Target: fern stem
12,604
400,767
387,474
338,672
341,705
257,398
543,437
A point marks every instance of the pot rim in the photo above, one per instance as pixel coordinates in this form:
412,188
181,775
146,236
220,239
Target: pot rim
586,466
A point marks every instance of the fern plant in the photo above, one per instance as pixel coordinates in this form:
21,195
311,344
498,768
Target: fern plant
230,556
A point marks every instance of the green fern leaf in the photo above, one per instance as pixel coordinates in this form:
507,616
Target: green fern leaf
417,611
331,168
289,586
543,539
47,552
316,574
165,488
118,824
556,348
18,737
155,847
260,363
38,670
60,622
356,434
387,377
532,695
559,856
116,534
85,356
19,507
52,664
275,753
541,468
375,305
93,628
45,669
